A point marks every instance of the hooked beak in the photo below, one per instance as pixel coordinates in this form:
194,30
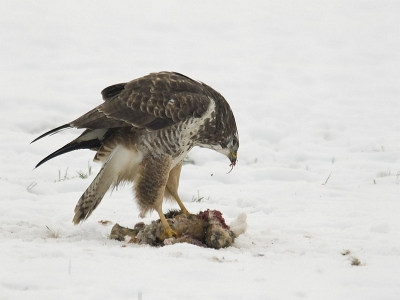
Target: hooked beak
232,157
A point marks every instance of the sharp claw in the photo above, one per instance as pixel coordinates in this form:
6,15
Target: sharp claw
169,233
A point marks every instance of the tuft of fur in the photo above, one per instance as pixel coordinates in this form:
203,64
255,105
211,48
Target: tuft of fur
239,225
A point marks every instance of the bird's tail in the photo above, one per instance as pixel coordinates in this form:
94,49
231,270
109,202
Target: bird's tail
53,131
89,139
93,195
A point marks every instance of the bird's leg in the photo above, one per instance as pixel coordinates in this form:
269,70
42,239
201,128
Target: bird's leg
151,185
172,187
168,231
183,208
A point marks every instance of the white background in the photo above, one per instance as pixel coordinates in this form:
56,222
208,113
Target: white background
314,86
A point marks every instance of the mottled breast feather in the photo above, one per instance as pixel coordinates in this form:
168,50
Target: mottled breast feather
153,102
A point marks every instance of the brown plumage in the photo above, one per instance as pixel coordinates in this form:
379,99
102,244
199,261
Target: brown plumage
141,133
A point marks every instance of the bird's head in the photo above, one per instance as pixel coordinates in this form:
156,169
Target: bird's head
229,147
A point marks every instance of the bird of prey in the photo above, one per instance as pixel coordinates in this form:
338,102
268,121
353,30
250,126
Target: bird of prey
142,132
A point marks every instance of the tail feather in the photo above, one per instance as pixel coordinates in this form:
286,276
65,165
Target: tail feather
89,139
53,131
93,195
91,144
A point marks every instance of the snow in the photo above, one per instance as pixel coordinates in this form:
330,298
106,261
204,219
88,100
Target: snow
314,86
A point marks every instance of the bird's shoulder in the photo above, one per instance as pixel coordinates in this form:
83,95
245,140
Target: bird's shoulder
168,96
154,101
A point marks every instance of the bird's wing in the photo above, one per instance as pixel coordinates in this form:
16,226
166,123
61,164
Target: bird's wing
153,102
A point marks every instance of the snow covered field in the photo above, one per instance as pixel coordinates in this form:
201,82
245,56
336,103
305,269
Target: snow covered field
315,88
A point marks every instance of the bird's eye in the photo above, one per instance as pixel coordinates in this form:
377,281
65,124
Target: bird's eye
234,142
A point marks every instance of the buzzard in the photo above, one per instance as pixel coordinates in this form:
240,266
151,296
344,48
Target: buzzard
142,132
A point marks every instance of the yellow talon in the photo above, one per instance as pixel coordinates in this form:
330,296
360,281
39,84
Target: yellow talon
169,233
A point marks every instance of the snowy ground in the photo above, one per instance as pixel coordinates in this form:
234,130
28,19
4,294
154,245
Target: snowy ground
315,89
